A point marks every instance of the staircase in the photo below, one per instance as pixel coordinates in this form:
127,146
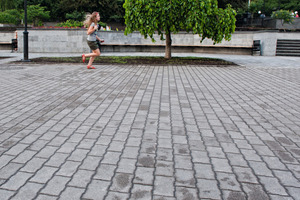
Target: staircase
288,47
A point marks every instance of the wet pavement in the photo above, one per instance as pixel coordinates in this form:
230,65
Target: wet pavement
150,132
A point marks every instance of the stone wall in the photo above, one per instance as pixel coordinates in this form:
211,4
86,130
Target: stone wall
74,41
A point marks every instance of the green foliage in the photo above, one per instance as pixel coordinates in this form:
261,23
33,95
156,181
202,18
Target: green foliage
36,14
265,6
75,15
112,10
170,16
239,5
284,15
293,5
102,24
268,6
71,23
6,5
10,17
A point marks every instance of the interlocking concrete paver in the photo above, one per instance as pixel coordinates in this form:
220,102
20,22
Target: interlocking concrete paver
150,132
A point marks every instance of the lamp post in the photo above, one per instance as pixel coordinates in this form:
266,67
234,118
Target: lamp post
25,33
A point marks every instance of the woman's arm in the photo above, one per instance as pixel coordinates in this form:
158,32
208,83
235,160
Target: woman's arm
101,40
92,29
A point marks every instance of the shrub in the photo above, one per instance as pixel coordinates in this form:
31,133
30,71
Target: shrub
285,16
10,17
36,14
70,23
77,16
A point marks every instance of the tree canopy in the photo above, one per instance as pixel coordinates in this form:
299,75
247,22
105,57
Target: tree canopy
202,17
268,6
60,10
112,10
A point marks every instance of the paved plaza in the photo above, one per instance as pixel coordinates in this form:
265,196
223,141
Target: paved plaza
150,132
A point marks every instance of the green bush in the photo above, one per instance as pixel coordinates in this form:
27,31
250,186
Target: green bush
285,15
10,17
70,23
77,16
36,14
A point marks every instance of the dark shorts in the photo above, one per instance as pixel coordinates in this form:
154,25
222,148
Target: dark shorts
93,45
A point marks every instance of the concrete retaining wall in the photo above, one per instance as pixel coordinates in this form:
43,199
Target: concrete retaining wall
277,24
74,41
269,40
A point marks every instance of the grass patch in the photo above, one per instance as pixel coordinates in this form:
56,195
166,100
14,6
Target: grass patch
137,60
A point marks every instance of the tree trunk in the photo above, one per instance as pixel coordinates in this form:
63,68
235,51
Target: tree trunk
168,46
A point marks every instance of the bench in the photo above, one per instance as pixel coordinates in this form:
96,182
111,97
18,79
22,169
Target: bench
13,44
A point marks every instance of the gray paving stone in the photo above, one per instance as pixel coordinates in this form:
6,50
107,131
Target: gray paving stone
274,163
78,155
273,186
116,195
164,186
221,165
245,175
233,195
17,149
6,194
260,168
68,168
105,172
184,178
16,181
55,186
141,192
164,168
186,193
90,163
121,182
71,193
44,174
151,132
5,159
57,159
208,189
81,178
286,178
126,165
228,181
97,189
28,191
183,162
33,165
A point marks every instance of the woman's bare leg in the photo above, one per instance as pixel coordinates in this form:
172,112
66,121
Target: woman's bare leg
93,56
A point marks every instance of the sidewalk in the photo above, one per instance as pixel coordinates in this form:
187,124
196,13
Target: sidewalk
150,132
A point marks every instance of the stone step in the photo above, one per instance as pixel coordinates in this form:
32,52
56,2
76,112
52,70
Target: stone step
288,54
288,47
288,41
287,51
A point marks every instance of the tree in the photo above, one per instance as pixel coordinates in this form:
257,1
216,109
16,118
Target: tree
164,17
6,5
12,16
36,14
112,10
268,6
